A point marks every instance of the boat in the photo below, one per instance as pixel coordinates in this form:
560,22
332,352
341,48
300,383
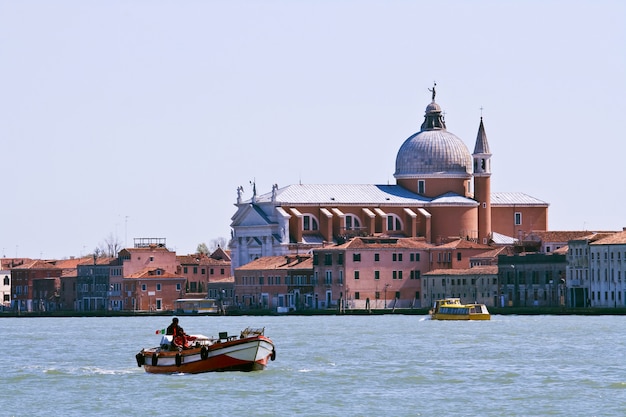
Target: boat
250,351
452,309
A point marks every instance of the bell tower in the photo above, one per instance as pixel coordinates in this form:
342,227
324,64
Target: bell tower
482,183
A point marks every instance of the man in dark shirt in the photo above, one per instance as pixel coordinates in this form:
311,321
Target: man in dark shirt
177,333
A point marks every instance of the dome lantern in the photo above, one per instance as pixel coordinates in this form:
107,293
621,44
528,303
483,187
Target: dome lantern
433,152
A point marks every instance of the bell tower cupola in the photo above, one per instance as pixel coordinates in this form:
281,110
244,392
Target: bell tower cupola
482,183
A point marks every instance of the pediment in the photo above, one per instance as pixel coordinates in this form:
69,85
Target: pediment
250,215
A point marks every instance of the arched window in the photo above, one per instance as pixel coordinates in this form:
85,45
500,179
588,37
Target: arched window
352,222
309,222
394,223
6,280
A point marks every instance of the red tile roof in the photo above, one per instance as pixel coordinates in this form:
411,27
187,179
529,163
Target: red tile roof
614,239
556,236
487,270
279,262
383,242
463,244
152,273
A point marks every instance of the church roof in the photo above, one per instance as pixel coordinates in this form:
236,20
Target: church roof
347,194
451,199
343,194
518,199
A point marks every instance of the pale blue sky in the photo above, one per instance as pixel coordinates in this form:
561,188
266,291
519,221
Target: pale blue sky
141,118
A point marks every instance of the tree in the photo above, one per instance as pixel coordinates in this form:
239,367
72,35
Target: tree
110,247
202,248
220,242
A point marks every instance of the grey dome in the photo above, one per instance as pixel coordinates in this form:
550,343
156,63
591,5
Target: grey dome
433,151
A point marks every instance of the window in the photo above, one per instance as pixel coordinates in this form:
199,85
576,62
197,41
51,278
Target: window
329,277
340,259
377,295
195,269
421,186
143,287
356,257
316,260
356,274
357,295
309,222
518,218
458,256
328,259
376,257
222,271
394,274
393,222
376,274
185,270
352,222
158,286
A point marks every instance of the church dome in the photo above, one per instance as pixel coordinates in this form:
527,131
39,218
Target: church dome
433,151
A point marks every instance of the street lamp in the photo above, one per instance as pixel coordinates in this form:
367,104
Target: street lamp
386,286
515,288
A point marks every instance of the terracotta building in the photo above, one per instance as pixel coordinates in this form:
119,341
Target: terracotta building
279,283
201,269
35,286
147,277
442,193
370,273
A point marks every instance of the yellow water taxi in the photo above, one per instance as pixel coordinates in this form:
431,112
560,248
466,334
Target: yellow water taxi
452,309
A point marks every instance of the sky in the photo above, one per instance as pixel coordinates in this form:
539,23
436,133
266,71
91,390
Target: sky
139,119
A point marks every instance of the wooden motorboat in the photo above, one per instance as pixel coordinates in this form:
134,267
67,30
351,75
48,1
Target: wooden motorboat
250,351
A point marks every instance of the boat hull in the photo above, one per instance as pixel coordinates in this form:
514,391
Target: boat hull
480,316
248,354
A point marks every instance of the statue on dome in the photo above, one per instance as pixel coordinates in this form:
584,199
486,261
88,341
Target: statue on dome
433,90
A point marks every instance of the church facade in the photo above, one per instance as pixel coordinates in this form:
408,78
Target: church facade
433,199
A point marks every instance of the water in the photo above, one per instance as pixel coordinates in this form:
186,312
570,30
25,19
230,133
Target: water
389,365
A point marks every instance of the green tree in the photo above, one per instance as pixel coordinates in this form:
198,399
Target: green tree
202,248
